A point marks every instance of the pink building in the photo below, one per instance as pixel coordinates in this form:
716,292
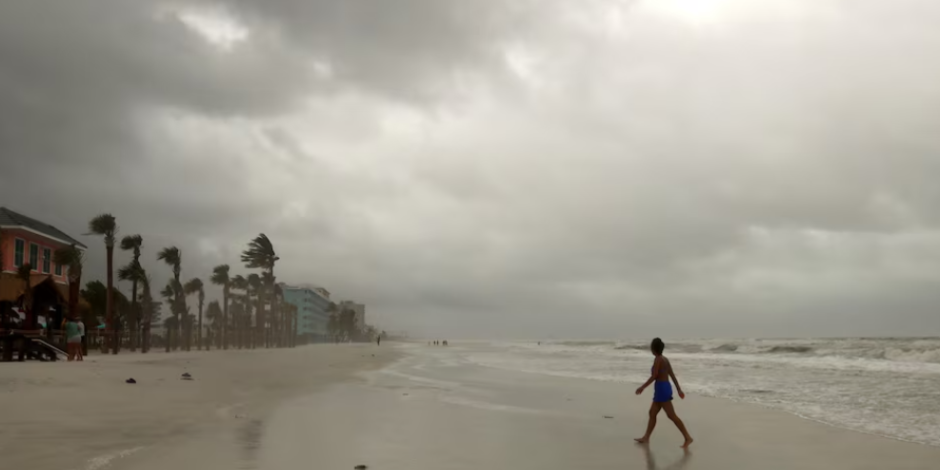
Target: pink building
27,240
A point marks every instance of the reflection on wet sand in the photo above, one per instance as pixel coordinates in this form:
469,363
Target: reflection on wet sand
677,465
249,441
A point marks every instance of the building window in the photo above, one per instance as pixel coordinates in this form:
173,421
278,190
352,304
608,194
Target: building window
46,260
34,256
58,269
19,252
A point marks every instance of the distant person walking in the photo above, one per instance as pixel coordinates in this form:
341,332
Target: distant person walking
378,340
662,393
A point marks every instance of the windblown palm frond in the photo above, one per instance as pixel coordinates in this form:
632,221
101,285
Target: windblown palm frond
173,257
132,243
105,225
260,254
193,286
220,276
71,257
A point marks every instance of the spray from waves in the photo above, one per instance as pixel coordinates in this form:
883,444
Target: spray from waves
789,350
585,343
103,461
632,347
909,350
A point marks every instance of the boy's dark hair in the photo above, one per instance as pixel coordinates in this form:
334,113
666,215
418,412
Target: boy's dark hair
657,346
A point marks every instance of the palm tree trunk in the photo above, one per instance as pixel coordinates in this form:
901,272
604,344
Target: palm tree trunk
273,316
133,324
74,293
259,321
199,334
145,343
112,337
223,333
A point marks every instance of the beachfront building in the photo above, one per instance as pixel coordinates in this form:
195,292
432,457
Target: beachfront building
25,240
312,304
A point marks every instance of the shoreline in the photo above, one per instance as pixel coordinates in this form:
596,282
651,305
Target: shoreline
93,419
722,399
430,410
880,387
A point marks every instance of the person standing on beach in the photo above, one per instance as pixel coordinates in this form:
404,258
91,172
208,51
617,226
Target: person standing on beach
73,338
80,355
662,393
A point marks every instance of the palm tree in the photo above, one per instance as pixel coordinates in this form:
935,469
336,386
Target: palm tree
194,286
169,293
255,287
169,325
276,314
73,259
214,316
220,277
260,255
241,284
135,273
291,324
173,257
237,326
266,318
25,272
332,325
106,226
132,243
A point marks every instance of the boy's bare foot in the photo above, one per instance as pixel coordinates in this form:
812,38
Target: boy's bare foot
688,442
642,440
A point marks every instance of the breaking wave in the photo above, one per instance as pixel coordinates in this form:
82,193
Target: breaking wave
926,350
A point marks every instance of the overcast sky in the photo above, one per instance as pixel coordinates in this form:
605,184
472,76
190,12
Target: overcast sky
503,168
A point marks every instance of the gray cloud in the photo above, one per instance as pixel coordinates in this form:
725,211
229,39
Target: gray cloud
507,169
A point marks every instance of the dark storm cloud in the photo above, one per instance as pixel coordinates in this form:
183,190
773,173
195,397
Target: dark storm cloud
502,168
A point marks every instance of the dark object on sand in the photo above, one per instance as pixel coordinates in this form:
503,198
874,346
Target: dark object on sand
608,417
361,467
130,381
186,376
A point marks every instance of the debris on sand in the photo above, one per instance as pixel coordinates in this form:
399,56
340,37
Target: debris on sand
187,376
130,381
361,467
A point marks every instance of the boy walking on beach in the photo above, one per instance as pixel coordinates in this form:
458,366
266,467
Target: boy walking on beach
662,393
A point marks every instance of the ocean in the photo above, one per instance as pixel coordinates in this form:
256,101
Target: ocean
884,386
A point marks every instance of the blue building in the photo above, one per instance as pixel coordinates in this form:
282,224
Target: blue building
312,304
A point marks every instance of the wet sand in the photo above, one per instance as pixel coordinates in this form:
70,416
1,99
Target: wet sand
432,410
413,407
83,416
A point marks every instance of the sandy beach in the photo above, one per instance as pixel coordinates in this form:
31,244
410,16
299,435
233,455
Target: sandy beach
406,407
83,416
